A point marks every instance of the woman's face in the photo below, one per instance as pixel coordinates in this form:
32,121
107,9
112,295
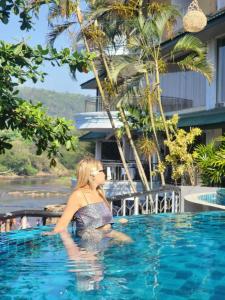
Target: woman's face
100,175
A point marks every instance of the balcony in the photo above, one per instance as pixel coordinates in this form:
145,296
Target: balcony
170,104
94,104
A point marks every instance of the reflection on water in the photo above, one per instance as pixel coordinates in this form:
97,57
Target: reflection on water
33,193
84,263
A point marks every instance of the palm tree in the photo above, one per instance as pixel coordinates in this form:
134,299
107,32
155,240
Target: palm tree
89,33
142,30
144,36
111,87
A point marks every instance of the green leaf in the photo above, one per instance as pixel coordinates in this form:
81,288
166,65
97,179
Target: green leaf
68,145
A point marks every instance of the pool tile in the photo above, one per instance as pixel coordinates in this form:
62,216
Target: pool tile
217,275
183,274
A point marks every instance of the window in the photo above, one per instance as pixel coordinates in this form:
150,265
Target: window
110,151
221,71
220,4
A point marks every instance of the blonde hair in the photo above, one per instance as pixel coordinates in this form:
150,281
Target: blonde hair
85,168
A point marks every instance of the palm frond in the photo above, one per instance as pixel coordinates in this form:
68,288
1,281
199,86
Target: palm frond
189,43
54,12
57,30
125,67
166,15
197,64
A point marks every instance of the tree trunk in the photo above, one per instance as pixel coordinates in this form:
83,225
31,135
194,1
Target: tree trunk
159,100
150,171
127,128
153,127
136,156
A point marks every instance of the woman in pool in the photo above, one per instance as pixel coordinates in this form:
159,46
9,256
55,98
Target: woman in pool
89,207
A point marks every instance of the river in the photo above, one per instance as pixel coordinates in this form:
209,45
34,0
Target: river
33,193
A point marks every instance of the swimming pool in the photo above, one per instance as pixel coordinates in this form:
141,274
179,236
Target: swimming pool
214,198
172,257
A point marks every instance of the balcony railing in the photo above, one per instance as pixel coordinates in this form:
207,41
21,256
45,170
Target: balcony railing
115,171
170,104
94,104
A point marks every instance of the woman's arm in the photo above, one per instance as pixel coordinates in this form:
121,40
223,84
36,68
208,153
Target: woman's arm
123,221
72,206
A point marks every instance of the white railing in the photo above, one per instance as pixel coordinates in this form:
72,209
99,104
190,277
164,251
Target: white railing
163,200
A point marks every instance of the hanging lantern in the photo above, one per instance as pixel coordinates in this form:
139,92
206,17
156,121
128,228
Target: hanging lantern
194,20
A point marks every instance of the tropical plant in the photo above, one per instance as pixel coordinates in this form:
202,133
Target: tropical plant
210,160
144,42
89,34
143,35
181,157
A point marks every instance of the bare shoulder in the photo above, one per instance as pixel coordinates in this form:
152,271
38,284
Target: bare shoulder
77,194
76,198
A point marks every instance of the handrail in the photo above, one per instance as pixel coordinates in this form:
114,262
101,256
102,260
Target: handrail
29,213
45,213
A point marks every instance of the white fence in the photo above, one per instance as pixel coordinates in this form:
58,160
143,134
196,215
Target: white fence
163,200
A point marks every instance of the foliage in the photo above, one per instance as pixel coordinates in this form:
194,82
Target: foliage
22,158
19,8
139,119
180,156
69,159
146,146
143,36
19,63
210,159
18,161
141,28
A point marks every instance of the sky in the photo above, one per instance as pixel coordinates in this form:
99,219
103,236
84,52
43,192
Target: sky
58,79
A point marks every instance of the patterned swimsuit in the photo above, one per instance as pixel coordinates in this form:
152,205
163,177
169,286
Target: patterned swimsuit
92,216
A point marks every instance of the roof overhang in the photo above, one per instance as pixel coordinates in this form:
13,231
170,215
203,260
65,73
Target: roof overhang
93,136
205,119
96,121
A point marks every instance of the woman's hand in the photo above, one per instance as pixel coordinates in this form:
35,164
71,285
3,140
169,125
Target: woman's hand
123,221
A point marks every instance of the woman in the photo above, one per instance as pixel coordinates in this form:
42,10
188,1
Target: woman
89,207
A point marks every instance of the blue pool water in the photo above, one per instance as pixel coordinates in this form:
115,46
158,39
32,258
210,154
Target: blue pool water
172,257
214,198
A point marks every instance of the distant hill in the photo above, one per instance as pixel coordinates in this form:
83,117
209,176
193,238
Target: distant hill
57,104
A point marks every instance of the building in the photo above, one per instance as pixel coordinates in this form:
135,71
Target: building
187,93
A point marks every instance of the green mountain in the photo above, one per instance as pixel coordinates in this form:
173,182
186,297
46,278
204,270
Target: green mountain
57,104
